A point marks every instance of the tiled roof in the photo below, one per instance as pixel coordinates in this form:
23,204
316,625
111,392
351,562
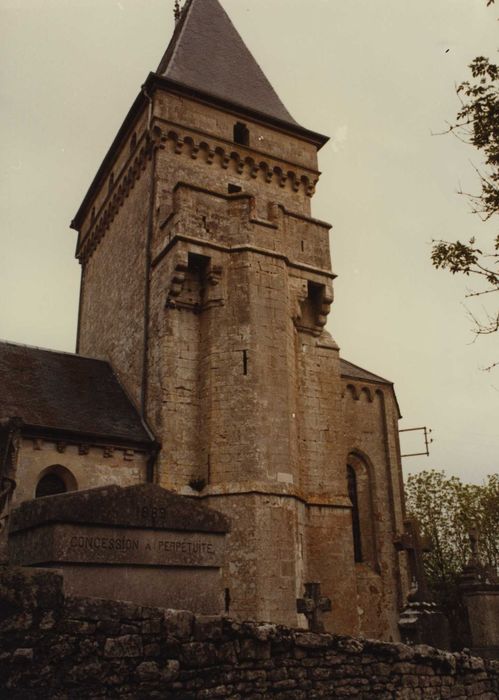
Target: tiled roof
347,369
62,391
207,54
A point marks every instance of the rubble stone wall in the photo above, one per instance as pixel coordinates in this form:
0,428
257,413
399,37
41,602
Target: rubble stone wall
56,647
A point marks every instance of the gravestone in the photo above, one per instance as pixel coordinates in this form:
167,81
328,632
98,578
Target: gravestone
421,621
141,544
479,587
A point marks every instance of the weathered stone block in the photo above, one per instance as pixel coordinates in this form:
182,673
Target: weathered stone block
127,646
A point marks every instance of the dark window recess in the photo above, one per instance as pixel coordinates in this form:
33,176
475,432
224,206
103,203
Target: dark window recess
311,307
352,494
234,189
227,599
241,134
245,362
302,246
195,280
50,485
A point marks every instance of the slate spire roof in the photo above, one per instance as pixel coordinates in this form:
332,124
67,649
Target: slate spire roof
207,54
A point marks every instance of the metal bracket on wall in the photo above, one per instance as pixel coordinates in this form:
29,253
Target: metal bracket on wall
427,439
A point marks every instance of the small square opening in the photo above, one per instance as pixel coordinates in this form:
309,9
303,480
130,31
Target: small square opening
241,134
234,189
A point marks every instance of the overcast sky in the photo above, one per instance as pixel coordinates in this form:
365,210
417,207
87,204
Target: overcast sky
378,76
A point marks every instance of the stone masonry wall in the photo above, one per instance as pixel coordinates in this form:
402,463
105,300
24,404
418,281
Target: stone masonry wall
366,408
52,647
98,465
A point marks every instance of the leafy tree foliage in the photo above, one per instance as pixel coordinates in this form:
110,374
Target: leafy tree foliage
447,510
477,123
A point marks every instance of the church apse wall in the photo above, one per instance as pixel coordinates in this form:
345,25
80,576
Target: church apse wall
370,461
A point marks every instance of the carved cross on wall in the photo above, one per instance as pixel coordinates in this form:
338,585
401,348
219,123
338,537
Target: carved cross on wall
415,544
312,605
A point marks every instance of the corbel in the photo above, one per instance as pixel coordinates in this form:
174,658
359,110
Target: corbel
254,171
176,282
179,145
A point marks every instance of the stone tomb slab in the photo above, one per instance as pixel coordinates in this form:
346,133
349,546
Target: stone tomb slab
141,543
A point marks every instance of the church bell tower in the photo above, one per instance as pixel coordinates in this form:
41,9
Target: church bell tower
207,283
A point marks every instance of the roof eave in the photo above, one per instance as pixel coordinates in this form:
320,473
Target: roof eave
62,434
319,140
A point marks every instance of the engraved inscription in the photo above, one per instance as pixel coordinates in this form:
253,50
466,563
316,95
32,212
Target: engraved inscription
125,545
119,546
91,543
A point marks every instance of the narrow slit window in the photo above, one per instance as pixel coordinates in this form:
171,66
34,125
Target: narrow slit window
241,134
245,362
353,495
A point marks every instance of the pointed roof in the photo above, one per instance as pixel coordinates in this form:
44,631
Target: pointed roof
206,60
207,54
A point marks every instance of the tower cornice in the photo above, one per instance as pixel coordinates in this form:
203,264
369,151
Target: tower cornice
155,82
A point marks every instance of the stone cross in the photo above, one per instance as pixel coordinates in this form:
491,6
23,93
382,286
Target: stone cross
474,571
312,605
415,544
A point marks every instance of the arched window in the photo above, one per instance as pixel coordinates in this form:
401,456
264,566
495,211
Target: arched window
50,485
54,480
352,494
362,493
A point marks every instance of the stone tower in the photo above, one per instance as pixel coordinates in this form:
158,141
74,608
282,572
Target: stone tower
207,284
